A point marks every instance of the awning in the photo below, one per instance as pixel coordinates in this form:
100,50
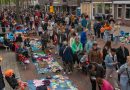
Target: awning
121,2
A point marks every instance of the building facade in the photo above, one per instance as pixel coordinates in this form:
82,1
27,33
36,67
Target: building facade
93,7
122,11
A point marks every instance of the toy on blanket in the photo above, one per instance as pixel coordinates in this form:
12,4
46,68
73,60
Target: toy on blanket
13,81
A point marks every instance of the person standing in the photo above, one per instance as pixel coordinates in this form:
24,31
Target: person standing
77,49
122,53
44,40
124,72
116,33
83,38
95,54
89,44
106,50
84,22
67,57
97,28
2,84
111,66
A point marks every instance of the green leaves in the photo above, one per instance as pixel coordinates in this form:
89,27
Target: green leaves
7,1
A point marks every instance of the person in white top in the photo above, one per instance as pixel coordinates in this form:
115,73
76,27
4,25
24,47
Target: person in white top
72,38
50,31
116,33
67,20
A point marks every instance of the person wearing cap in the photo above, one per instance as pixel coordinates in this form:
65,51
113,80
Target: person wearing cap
111,63
2,84
124,72
67,57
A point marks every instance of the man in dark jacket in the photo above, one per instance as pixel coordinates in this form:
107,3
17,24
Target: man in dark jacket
67,57
2,84
122,53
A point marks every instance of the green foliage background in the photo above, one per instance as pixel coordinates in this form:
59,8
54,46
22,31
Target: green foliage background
7,1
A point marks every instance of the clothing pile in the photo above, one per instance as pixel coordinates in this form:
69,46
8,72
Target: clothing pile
35,45
125,37
20,29
57,82
45,63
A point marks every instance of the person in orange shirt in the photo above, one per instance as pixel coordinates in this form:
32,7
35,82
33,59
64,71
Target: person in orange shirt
106,30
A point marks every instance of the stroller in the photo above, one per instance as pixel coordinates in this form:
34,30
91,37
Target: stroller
13,81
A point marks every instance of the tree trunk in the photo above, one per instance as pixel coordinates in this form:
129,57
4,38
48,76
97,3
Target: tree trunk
17,10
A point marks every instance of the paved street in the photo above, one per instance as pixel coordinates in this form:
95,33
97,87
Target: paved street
79,79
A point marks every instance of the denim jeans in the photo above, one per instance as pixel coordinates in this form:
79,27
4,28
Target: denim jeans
124,83
107,36
116,39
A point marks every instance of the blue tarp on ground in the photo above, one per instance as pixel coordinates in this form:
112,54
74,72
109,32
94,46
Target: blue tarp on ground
58,82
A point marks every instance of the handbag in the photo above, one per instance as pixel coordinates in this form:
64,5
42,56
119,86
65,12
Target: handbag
128,76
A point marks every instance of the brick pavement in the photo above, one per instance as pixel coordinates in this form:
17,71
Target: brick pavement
77,77
9,63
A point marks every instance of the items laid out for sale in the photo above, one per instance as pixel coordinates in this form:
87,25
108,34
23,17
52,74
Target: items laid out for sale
19,28
35,44
57,82
45,63
125,37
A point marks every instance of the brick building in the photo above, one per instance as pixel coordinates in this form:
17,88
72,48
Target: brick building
92,7
122,10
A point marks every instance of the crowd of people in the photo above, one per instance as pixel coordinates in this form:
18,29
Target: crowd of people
75,40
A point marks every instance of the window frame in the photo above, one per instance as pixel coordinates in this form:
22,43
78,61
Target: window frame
125,11
110,8
118,7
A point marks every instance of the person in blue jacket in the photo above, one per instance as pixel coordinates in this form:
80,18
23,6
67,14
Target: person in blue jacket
83,37
84,22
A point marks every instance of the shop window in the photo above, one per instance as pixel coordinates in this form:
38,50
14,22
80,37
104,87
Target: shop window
127,11
119,11
100,8
108,8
